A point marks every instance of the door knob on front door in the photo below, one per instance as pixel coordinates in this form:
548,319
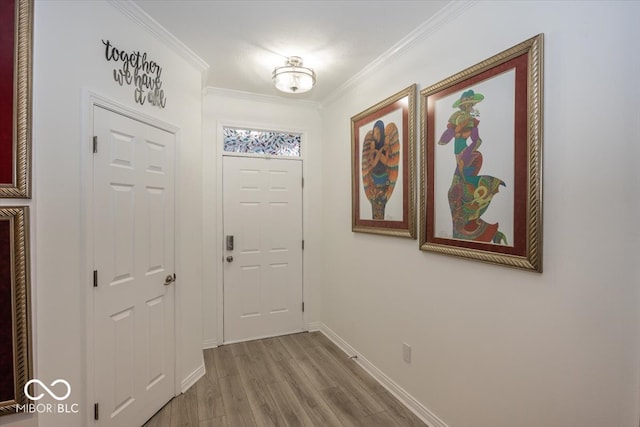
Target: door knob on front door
229,258
169,279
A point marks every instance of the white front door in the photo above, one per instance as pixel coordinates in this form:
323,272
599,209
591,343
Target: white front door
133,220
262,210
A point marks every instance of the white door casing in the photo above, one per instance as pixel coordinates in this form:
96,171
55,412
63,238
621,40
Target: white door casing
262,210
133,255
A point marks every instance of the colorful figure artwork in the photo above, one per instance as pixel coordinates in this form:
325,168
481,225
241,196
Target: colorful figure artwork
470,193
380,160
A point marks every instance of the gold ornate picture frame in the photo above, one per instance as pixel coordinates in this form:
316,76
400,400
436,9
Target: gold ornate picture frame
383,167
481,174
15,334
16,38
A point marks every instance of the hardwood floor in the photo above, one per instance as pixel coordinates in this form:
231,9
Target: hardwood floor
294,380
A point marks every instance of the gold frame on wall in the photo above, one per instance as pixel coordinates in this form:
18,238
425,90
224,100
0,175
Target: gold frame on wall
401,106
525,62
17,217
20,186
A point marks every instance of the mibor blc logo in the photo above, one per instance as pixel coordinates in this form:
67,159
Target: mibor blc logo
57,392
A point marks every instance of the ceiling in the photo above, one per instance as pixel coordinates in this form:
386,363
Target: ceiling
242,41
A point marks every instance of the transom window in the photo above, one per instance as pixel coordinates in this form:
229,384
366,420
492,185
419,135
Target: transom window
261,142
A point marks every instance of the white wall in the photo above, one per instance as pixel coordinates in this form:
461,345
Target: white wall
222,107
69,58
493,346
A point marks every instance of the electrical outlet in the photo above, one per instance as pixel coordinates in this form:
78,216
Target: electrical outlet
406,352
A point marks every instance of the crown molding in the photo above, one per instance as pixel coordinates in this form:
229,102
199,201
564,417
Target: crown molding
452,10
143,20
269,99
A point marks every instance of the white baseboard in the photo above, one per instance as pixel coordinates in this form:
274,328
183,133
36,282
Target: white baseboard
314,326
212,343
192,378
401,394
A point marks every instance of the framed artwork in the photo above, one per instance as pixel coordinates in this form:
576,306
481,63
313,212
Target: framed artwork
481,175
382,171
16,18
15,334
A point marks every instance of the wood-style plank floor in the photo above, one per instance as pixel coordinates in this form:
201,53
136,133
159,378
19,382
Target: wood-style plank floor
294,380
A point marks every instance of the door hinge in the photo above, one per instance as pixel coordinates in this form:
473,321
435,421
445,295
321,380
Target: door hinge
95,144
96,414
303,306
95,278
302,244
302,182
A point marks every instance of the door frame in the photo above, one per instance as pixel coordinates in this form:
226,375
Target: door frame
219,237
90,101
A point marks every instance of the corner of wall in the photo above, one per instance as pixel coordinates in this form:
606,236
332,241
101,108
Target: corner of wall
401,394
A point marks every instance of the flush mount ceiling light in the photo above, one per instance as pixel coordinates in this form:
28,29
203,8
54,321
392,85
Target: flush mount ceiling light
293,77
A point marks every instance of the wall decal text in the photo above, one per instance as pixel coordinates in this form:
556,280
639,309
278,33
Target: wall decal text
136,70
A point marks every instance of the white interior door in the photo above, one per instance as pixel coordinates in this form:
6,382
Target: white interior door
262,208
133,217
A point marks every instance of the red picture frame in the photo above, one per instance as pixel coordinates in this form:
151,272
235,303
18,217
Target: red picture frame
383,167
16,22
481,175
15,330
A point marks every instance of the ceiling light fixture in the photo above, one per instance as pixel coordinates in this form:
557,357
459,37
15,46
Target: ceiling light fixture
293,77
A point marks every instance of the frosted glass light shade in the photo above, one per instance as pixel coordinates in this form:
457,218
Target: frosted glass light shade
293,77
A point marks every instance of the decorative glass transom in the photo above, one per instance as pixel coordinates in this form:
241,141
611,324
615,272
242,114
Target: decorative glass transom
261,142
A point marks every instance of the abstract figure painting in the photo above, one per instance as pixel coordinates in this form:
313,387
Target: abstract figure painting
470,193
380,163
480,194
382,140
